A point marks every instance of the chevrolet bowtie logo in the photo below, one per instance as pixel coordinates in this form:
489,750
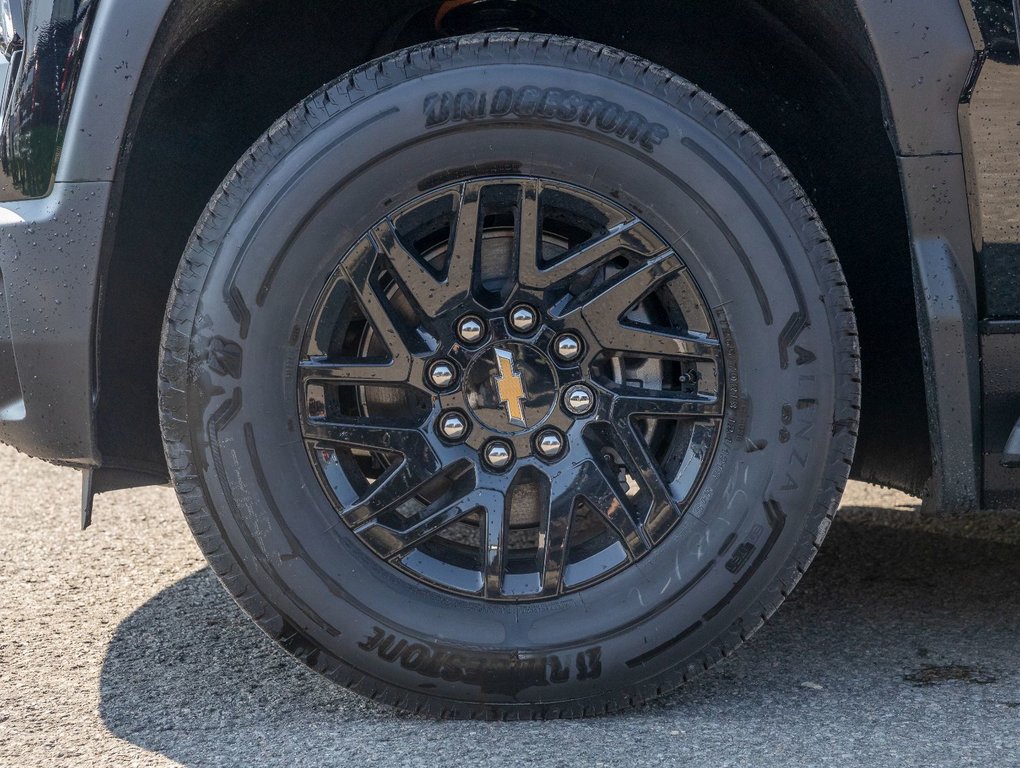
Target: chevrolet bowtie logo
510,387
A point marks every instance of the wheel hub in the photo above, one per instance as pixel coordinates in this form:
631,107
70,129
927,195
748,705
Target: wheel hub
511,388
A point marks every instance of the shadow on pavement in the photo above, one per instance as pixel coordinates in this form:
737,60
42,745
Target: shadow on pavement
900,625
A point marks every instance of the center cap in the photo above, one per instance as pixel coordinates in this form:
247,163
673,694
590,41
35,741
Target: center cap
511,387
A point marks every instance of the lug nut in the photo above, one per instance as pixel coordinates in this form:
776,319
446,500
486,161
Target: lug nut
470,329
498,454
442,374
567,347
549,443
579,400
523,318
453,425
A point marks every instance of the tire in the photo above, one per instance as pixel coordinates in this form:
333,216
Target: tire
749,281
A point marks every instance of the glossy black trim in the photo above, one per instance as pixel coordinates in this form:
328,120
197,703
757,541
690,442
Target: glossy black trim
38,102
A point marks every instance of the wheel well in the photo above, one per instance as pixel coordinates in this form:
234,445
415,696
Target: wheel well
223,70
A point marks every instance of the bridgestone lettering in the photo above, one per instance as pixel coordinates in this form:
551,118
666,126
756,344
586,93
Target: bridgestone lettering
546,103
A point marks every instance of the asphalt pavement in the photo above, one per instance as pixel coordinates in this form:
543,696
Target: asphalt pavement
901,647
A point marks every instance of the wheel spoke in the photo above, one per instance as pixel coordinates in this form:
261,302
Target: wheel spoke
604,306
464,246
556,514
658,342
418,465
633,402
632,236
352,371
593,485
615,296
643,468
396,485
431,295
494,537
393,332
607,301
417,283
374,434
529,233
390,543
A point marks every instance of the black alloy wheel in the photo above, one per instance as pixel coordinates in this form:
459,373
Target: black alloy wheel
511,388
509,376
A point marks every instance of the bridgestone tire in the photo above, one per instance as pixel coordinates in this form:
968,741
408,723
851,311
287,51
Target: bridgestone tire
554,108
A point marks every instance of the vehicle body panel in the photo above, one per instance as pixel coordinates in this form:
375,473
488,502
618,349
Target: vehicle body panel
991,132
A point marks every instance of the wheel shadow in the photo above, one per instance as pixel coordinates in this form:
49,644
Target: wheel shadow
899,622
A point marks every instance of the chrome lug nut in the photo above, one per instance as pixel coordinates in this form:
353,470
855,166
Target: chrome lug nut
470,329
442,374
523,318
453,425
567,347
549,443
498,454
579,400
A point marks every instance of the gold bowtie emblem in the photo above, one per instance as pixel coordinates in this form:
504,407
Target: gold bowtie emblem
510,387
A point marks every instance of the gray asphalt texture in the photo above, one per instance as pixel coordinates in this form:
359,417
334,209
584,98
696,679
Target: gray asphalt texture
118,647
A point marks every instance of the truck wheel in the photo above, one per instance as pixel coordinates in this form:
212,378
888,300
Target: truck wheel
509,376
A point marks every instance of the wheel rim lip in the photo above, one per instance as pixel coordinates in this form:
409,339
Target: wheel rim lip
495,328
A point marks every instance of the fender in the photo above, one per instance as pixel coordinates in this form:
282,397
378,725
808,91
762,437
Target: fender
54,213
924,70
122,41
